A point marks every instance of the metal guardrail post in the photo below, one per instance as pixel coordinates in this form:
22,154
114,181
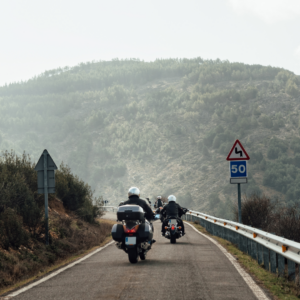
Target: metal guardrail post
291,269
253,249
241,239
266,258
281,265
273,262
249,247
245,244
260,254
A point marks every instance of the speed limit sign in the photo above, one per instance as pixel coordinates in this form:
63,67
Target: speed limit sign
238,169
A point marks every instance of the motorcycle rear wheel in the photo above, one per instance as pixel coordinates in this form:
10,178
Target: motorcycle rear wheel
133,255
173,239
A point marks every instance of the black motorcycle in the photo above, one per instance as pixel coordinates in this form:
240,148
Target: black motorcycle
173,230
135,234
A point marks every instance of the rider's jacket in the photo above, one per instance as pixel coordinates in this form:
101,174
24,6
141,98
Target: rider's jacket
135,200
159,203
172,209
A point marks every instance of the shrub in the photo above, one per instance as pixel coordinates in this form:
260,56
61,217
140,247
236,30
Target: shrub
281,144
256,157
292,88
257,211
208,138
295,145
287,223
297,160
12,233
273,152
205,152
266,121
77,195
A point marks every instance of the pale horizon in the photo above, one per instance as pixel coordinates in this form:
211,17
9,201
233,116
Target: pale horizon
37,37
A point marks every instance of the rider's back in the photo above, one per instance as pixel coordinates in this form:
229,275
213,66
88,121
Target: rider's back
172,209
135,200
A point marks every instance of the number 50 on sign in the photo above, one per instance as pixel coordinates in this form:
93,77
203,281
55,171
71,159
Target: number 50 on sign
238,169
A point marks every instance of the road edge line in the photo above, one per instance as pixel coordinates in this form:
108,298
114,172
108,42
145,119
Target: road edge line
26,288
257,291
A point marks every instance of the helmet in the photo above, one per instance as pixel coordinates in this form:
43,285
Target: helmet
158,197
133,191
172,198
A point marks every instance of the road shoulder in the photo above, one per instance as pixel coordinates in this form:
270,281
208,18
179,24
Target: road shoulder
273,286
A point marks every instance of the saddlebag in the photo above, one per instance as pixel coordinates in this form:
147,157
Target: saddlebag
145,232
130,213
117,232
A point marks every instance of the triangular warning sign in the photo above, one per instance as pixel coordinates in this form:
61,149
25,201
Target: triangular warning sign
237,152
50,163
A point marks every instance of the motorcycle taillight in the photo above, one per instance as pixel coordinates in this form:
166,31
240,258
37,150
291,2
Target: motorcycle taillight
131,230
173,227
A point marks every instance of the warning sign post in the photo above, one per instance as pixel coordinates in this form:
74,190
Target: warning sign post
237,158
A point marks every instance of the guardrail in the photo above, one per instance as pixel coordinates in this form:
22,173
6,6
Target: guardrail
113,208
266,248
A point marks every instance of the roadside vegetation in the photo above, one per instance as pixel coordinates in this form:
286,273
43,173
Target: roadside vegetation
73,226
165,126
271,216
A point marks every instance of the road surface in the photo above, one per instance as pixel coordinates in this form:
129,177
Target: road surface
194,268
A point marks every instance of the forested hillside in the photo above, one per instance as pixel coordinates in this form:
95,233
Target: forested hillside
164,126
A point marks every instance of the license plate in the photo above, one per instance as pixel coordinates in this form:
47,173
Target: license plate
130,240
173,222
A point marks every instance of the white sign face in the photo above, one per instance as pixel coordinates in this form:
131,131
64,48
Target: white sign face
238,152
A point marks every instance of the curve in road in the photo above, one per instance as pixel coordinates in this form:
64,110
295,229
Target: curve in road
193,268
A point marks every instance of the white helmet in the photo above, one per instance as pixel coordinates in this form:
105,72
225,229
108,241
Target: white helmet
158,197
172,198
133,191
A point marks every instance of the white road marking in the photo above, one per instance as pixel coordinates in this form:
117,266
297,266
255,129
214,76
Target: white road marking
26,288
257,291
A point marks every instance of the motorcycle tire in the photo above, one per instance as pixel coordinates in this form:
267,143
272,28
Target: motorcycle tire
133,255
173,239
142,256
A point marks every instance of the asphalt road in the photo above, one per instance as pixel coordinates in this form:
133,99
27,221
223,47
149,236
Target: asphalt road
194,268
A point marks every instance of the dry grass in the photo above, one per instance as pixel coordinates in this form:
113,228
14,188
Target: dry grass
70,238
57,265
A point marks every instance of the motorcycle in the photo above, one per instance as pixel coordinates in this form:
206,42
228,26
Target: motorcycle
135,234
159,215
173,231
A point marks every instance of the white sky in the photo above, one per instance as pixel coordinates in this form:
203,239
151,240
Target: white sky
37,35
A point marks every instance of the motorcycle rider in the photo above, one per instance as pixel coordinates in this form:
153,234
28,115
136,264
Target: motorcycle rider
149,201
172,210
158,202
134,198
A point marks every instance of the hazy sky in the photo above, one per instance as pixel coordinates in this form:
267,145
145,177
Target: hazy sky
39,35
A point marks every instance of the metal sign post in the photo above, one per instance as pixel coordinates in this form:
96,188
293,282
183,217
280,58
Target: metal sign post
46,198
46,183
237,158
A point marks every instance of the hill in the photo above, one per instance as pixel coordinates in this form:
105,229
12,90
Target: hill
164,126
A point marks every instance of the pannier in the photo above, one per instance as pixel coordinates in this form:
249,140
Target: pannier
130,213
145,232
117,232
